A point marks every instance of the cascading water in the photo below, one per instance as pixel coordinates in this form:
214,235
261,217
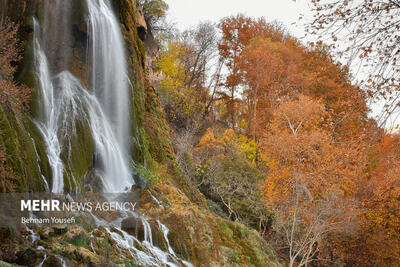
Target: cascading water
48,125
65,101
110,84
109,71
104,110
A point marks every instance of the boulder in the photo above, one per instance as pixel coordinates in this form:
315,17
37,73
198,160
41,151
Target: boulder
30,257
52,261
135,227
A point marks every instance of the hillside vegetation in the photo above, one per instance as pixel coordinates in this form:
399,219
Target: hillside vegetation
253,148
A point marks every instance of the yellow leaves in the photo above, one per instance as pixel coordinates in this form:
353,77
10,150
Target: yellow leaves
170,65
248,147
228,140
182,99
228,137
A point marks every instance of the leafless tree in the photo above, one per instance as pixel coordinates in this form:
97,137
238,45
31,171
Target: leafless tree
368,35
301,223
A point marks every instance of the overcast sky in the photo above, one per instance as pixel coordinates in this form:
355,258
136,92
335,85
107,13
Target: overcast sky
186,13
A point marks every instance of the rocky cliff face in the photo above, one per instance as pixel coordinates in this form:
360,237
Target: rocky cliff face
195,234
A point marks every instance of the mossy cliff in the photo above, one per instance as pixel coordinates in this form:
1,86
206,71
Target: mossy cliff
196,234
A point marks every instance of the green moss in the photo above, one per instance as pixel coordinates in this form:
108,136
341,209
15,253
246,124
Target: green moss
142,49
231,257
227,231
10,143
78,157
104,244
146,174
35,134
29,158
80,241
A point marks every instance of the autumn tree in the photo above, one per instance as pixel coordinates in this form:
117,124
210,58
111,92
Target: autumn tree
227,173
190,80
379,236
271,70
310,182
236,35
179,101
202,62
268,70
371,31
265,64
201,44
330,81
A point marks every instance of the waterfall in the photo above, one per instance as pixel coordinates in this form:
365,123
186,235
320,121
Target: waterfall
102,108
110,85
48,125
109,71
148,254
65,101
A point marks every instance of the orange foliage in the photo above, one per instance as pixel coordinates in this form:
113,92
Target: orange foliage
314,132
236,35
298,147
265,73
270,68
312,179
381,205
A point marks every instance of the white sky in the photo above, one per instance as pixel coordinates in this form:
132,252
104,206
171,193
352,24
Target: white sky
186,13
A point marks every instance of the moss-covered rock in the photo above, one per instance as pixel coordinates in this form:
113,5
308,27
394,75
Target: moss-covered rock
24,149
201,237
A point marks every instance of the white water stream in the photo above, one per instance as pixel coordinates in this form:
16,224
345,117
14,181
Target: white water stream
65,101
111,87
103,109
